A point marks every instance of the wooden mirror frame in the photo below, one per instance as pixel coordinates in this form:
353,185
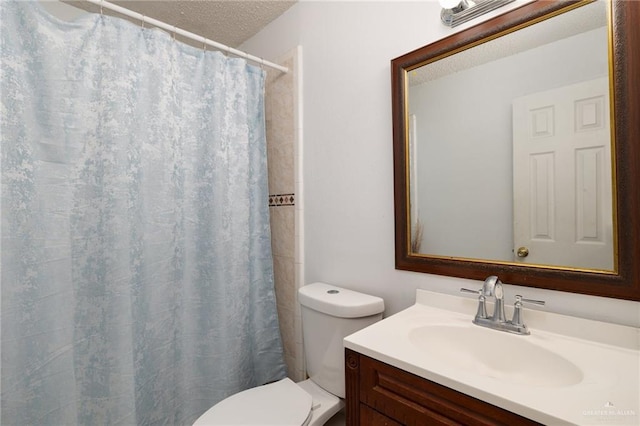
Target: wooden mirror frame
624,283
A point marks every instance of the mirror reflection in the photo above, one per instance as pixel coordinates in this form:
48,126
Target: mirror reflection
510,148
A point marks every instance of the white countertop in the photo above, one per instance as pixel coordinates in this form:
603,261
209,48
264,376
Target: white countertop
607,355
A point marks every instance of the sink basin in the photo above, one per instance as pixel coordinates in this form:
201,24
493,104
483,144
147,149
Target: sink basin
495,354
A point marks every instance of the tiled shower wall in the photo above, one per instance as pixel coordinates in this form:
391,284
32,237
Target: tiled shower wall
284,134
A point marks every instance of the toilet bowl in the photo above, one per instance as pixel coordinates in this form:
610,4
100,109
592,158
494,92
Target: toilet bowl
329,314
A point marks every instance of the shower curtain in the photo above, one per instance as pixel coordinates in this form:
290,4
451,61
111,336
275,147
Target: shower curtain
137,280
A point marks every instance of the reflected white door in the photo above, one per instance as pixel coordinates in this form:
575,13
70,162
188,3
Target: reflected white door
562,177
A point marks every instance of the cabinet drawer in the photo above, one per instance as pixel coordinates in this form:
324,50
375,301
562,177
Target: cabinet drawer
412,400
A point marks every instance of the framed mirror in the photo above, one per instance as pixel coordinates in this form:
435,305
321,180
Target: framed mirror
517,150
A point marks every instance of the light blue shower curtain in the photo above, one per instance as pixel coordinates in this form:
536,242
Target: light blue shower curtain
137,281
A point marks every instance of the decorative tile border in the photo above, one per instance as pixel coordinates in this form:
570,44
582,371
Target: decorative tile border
277,200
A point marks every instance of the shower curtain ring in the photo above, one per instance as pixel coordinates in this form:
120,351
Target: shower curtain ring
174,33
143,19
204,43
101,10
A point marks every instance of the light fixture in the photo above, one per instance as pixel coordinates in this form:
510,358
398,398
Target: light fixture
456,12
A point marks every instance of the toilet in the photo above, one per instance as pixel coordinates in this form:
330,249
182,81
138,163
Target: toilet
329,314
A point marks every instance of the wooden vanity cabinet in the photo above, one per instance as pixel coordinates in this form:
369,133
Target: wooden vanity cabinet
379,394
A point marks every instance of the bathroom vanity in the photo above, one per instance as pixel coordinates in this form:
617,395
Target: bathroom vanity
380,394
429,365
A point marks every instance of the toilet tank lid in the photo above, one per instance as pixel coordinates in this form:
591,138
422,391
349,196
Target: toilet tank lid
339,302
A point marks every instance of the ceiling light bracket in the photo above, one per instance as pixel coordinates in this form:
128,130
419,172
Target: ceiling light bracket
456,12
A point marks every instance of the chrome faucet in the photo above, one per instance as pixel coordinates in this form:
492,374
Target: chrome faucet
492,287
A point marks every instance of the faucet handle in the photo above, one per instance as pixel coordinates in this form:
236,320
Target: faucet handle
534,301
517,308
482,306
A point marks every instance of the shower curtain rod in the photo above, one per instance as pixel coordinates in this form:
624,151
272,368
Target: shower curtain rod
173,29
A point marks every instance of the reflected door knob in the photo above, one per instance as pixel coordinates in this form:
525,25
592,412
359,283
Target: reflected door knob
522,252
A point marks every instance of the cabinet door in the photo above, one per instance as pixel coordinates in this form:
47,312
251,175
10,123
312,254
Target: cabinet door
371,417
411,400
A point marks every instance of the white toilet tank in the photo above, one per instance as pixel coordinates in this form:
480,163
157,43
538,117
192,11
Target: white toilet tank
329,314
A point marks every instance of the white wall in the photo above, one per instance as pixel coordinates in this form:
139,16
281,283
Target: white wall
348,170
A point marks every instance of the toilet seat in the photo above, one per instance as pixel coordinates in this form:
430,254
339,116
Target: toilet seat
281,403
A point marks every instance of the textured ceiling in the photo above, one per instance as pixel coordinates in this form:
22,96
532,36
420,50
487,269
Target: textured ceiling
229,22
